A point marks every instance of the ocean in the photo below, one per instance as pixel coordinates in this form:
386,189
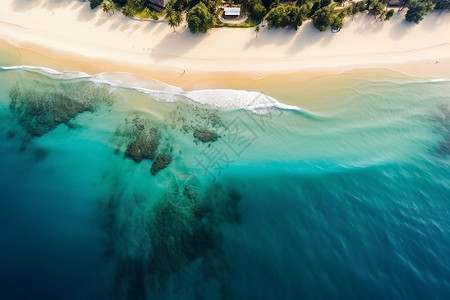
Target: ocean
119,187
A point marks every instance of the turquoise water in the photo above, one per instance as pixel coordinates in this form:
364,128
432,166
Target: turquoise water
258,200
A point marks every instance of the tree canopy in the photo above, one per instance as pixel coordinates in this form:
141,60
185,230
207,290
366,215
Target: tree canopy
389,14
108,6
258,11
376,8
281,13
285,15
417,10
199,18
323,18
442,4
95,3
174,17
120,2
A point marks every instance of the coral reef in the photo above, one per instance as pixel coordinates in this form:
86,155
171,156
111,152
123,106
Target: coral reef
41,112
161,162
205,135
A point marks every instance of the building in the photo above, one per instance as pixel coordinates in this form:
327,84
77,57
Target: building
232,11
157,4
394,3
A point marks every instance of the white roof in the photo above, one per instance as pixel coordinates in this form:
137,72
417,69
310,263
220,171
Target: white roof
232,11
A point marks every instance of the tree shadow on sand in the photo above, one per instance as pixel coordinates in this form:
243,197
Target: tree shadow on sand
366,24
400,29
308,36
23,5
177,44
302,38
272,37
433,20
86,13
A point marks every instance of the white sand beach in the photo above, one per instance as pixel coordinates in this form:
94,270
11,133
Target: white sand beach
68,35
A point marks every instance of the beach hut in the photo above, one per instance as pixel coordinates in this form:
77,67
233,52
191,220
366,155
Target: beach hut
394,3
232,11
157,4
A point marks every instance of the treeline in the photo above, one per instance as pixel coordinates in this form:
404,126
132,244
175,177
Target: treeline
202,14
327,14
129,8
323,13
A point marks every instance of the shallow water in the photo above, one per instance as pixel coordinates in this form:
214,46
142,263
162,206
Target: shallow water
259,200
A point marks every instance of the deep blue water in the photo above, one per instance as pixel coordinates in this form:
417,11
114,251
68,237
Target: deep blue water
350,201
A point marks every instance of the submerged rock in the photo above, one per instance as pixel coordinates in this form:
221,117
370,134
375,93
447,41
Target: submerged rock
153,245
144,140
143,147
161,162
205,135
10,134
41,112
40,154
188,117
178,239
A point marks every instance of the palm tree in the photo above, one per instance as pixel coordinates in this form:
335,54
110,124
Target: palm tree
174,17
257,30
178,17
108,6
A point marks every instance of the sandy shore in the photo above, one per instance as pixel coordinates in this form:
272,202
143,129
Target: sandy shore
68,35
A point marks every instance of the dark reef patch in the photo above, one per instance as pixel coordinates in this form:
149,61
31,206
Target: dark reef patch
39,113
161,162
143,146
40,107
205,135
155,247
141,138
10,134
203,122
40,154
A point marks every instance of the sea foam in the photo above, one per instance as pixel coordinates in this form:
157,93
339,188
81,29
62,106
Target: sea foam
228,99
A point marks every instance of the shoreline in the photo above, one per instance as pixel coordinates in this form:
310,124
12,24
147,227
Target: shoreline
71,37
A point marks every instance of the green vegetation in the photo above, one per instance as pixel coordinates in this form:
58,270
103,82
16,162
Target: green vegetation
130,8
108,6
338,22
376,8
199,18
148,13
286,15
258,11
202,15
417,10
127,11
250,22
174,17
389,14
257,30
442,4
95,3
323,18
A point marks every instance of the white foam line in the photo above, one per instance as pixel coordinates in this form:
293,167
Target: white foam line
236,99
440,80
74,74
220,98
31,68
